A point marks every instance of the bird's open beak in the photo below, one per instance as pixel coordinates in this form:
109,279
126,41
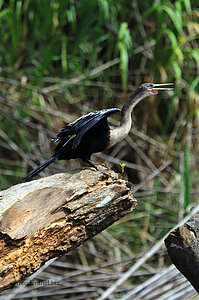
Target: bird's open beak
161,87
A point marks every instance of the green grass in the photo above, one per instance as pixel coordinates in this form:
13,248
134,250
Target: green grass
59,37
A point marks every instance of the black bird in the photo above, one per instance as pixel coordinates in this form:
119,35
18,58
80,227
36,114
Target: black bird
91,133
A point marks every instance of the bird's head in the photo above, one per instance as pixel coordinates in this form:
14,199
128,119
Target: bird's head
153,88
145,90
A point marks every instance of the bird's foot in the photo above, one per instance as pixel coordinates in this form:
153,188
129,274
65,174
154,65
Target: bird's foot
102,167
92,164
106,165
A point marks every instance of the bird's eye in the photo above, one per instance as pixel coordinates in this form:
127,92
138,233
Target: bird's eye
147,85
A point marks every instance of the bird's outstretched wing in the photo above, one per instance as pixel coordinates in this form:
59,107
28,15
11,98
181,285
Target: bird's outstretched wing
81,126
96,117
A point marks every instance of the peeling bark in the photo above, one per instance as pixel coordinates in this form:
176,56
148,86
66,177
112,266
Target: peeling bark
183,247
50,216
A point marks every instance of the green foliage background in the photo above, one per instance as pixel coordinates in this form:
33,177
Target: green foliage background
61,59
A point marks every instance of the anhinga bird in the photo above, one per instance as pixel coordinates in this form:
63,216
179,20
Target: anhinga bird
91,133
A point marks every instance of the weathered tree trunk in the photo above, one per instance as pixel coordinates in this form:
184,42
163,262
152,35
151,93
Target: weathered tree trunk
183,247
52,215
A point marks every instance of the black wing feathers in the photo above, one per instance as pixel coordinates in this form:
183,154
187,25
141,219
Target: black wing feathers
99,115
81,126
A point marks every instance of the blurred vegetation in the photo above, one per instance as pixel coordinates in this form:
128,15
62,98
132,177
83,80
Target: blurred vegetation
61,59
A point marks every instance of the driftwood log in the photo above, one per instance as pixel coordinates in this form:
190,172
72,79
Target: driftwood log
183,247
50,216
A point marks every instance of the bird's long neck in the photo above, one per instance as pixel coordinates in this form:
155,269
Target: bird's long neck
128,107
120,132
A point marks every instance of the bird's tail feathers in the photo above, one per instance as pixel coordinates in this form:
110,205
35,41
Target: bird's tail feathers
37,170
